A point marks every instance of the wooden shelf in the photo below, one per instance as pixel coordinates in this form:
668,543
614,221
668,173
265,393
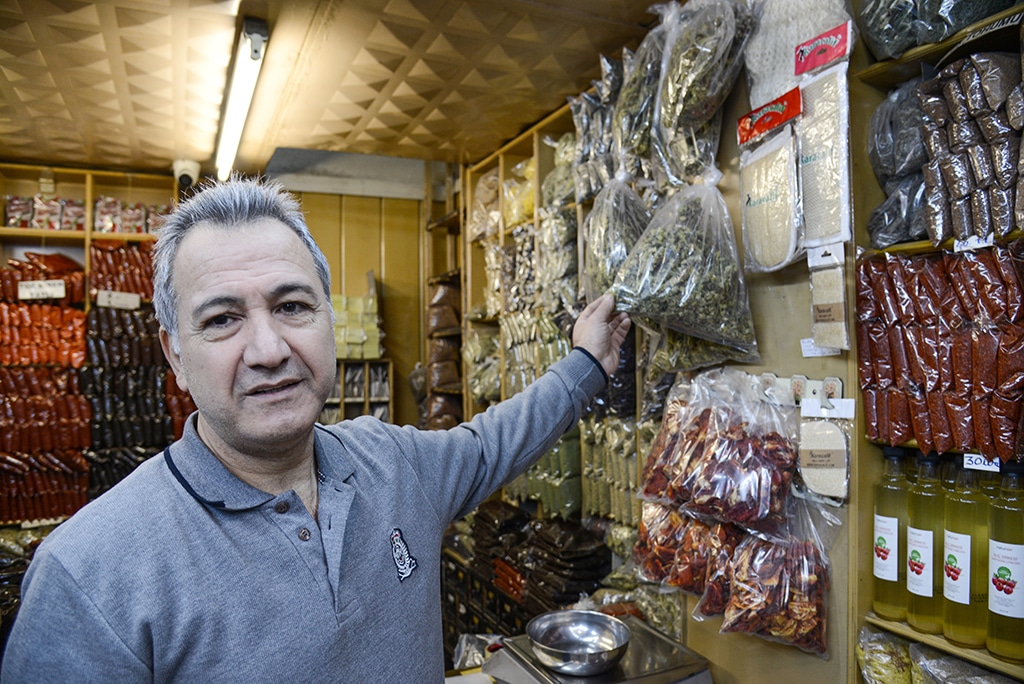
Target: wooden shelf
365,401
978,656
451,222
887,74
42,234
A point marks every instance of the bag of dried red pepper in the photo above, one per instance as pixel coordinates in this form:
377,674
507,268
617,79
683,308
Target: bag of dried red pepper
779,585
661,531
655,475
736,453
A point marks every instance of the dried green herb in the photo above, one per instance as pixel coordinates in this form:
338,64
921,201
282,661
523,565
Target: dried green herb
614,224
678,351
634,109
684,271
703,57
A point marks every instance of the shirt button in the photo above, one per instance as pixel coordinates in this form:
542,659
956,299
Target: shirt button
281,507
304,534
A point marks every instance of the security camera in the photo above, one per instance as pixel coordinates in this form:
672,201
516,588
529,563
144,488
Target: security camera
186,172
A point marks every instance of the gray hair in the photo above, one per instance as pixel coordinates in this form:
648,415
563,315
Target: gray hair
230,204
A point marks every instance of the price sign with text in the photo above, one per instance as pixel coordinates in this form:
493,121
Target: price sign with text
118,300
41,289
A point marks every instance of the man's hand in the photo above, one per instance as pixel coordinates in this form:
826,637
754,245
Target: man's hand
601,331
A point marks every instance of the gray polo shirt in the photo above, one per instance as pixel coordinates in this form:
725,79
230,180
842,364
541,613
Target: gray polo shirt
182,572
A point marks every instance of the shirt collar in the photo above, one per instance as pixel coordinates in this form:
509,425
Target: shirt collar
210,482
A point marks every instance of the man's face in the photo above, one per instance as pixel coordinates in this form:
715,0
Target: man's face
256,348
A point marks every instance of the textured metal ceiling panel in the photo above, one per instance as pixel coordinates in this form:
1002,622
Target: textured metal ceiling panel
135,84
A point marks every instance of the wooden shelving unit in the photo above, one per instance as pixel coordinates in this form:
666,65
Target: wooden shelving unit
870,82
362,388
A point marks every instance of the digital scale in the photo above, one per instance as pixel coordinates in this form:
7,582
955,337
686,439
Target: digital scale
652,658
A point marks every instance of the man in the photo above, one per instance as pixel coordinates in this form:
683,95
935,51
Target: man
263,547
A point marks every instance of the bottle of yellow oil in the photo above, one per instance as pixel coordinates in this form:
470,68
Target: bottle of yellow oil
925,527
890,538
1006,567
965,559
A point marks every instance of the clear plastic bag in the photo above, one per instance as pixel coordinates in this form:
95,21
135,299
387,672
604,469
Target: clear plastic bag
611,229
657,471
736,453
484,217
901,217
883,657
779,587
888,26
896,136
634,110
684,271
722,540
940,19
672,351
930,665
702,57
661,529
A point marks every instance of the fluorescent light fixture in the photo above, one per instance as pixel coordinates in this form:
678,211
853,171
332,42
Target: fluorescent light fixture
252,45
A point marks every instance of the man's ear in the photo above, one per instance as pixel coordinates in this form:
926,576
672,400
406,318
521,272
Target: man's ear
174,359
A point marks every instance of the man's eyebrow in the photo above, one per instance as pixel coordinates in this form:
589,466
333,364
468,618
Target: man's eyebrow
285,289
229,301
221,301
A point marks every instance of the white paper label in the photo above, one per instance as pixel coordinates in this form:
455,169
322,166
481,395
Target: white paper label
809,350
1005,568
41,289
886,547
956,566
118,300
979,462
920,552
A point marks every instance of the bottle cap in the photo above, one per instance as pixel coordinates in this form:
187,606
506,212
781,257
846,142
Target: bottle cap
894,452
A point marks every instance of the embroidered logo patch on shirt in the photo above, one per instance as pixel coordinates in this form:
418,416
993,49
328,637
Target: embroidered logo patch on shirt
400,552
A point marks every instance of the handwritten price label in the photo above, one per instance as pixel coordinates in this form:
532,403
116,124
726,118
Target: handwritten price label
979,462
118,300
41,289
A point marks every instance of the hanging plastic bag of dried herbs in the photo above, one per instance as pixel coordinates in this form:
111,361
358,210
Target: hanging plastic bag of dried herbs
684,271
635,106
702,58
615,222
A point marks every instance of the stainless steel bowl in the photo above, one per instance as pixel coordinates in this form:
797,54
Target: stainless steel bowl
578,642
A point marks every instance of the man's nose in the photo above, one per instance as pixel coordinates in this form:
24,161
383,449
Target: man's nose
266,345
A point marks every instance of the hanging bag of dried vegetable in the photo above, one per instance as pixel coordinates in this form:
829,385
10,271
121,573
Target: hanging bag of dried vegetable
684,271
660,464
614,224
660,531
940,19
779,587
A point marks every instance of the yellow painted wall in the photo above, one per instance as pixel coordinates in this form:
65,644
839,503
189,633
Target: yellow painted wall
359,234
